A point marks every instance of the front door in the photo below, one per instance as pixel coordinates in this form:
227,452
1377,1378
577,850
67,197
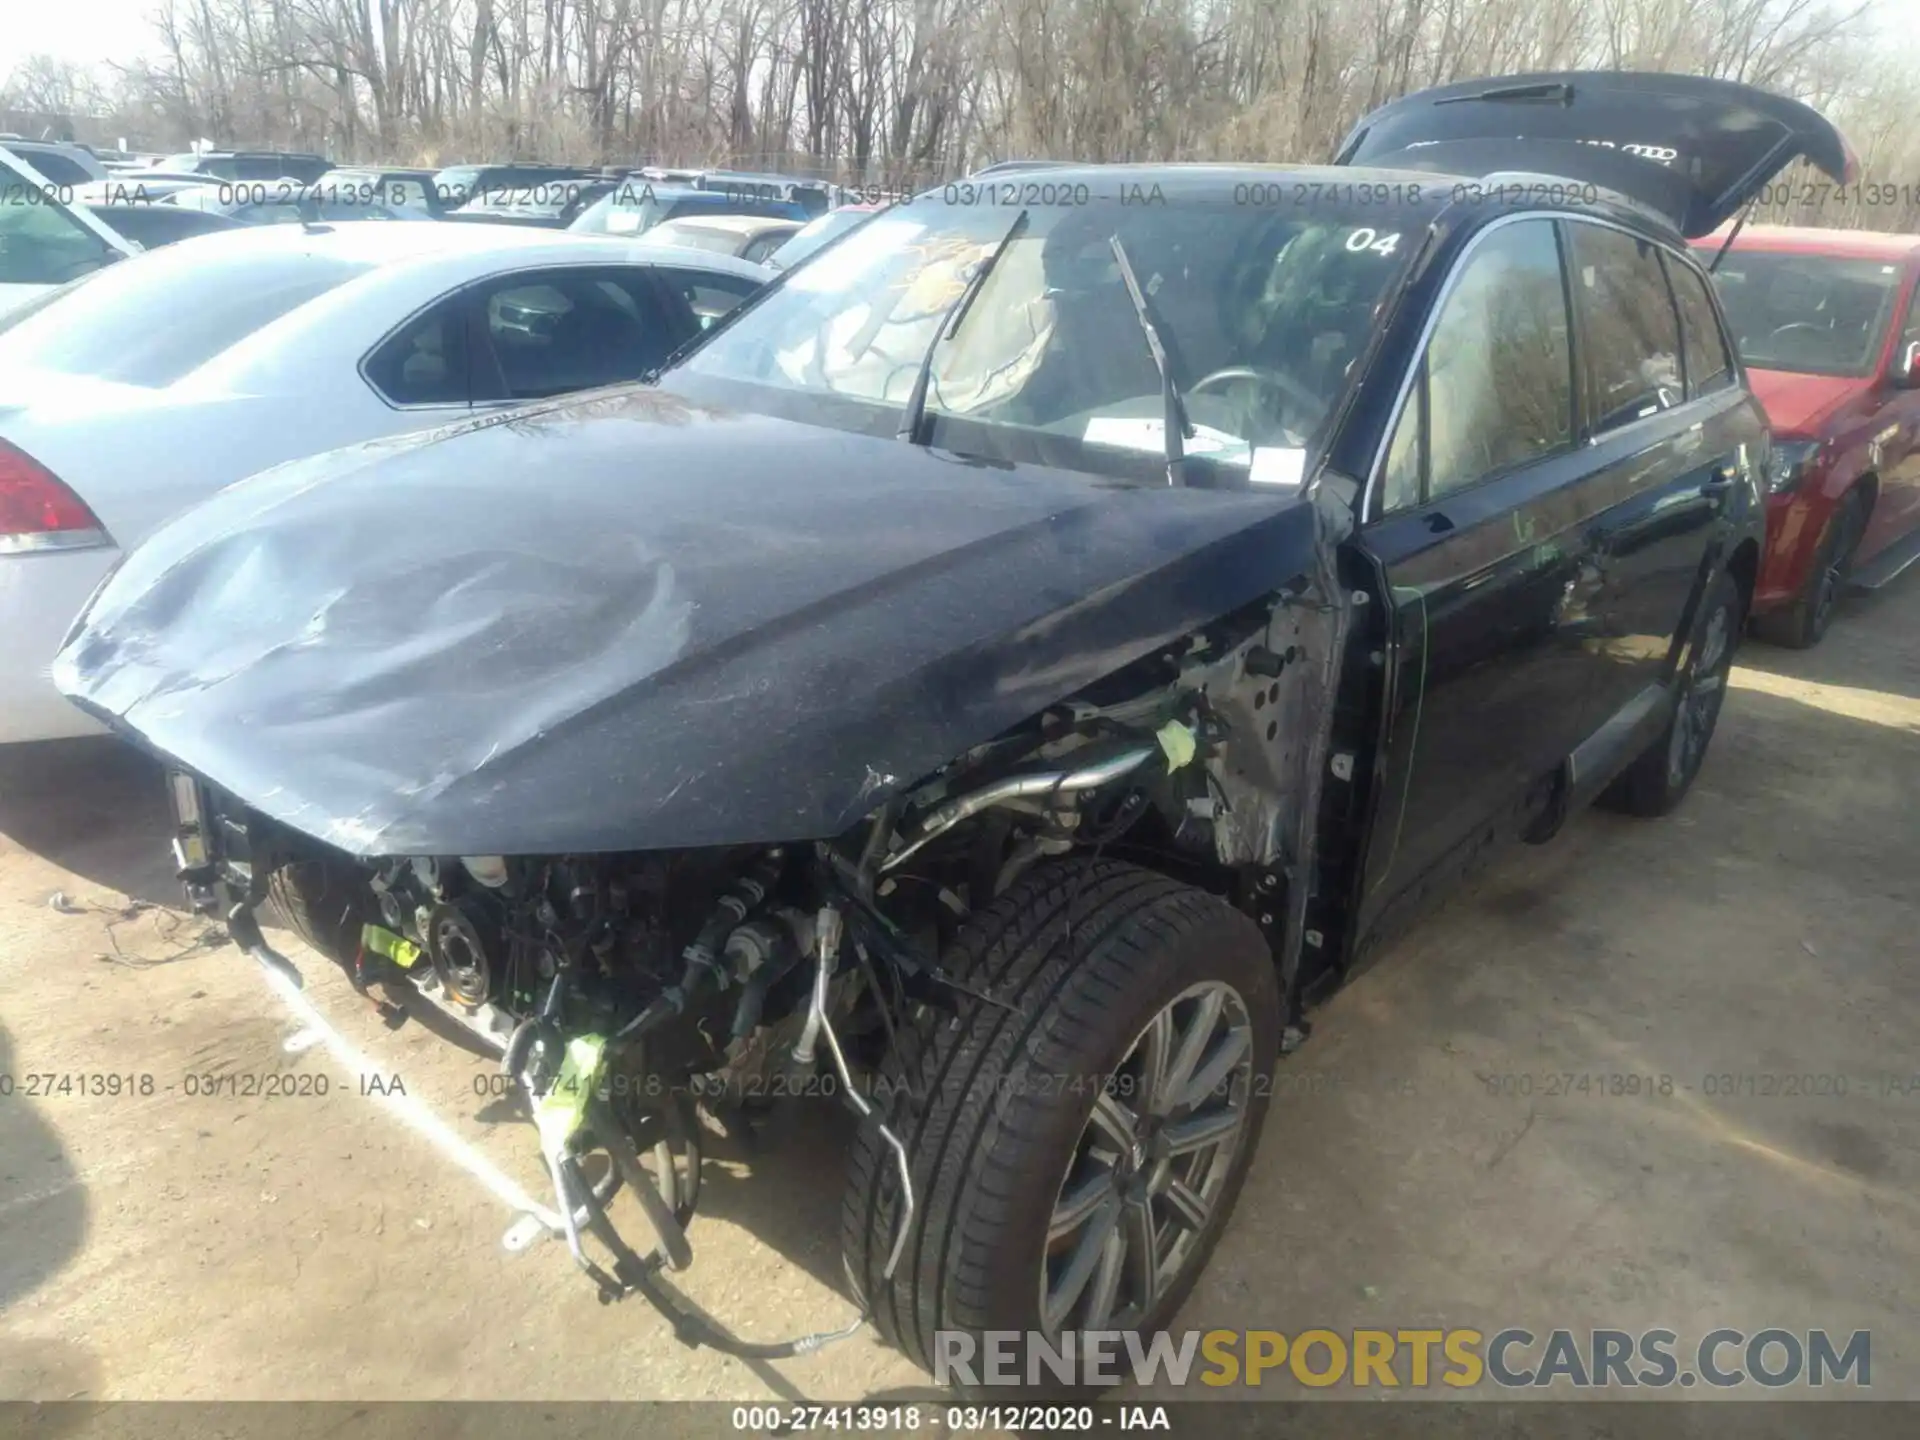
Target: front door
1482,529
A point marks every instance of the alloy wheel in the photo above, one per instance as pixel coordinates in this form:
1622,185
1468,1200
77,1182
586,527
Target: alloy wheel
1834,566
1150,1165
1700,704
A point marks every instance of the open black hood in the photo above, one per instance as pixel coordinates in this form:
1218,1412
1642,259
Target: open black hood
629,623
1695,150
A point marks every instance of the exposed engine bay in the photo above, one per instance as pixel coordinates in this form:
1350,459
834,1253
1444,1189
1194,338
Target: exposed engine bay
623,990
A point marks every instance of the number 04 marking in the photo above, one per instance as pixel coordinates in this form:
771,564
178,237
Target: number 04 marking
1365,239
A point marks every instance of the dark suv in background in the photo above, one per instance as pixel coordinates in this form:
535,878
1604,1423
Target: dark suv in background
245,165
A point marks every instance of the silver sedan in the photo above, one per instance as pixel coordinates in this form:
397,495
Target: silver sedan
145,386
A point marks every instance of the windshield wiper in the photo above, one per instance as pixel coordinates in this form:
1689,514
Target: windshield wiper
1174,420
914,420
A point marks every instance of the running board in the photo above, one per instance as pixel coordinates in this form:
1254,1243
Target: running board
1886,566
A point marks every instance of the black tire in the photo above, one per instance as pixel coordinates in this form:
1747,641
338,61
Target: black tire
1800,625
324,903
1660,777
994,1105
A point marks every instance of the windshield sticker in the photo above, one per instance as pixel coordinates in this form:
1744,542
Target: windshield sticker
1368,239
1278,465
1150,434
622,222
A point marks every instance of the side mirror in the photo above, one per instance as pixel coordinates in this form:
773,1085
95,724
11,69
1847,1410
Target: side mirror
1906,367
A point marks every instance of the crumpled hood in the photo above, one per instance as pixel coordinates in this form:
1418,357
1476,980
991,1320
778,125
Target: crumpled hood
626,622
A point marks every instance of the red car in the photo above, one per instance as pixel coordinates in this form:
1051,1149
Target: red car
1828,325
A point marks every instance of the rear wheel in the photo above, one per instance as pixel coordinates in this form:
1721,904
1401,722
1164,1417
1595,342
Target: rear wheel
1659,779
1802,623
1074,1157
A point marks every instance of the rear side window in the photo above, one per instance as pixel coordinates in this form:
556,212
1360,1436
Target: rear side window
155,225
1709,366
57,168
426,363
562,330
262,167
152,319
40,244
1630,334
1495,390
764,245
708,294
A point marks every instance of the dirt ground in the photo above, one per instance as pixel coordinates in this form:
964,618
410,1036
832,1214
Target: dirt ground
172,1246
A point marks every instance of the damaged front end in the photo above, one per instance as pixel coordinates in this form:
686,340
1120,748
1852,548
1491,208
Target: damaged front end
624,991
679,811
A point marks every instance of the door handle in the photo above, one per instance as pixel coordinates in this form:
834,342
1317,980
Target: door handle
1720,481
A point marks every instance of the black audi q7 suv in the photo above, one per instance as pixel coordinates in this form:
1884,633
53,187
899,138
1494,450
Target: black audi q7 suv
1003,677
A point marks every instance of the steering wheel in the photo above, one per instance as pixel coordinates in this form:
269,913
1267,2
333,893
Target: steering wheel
1793,325
1272,379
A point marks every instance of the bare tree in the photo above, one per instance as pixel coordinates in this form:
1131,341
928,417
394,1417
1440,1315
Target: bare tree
918,89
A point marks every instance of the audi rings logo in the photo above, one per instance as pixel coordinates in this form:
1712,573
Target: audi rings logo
1659,154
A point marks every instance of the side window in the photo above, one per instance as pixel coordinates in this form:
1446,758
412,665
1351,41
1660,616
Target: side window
1630,335
565,330
1910,333
57,168
426,363
1499,371
708,294
1709,366
1400,481
40,244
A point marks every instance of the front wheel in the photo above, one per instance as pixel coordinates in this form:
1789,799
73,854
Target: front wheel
1801,625
325,902
1075,1154
1659,779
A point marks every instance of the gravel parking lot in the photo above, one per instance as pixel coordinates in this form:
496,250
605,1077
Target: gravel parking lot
1448,1150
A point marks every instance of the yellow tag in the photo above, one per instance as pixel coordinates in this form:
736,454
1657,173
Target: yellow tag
1177,741
397,948
563,1109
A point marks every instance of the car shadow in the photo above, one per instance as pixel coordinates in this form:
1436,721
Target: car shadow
781,1179
44,1219
1853,652
94,807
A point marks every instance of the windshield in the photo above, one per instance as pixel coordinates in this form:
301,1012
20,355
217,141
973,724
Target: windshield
151,320
818,233
1816,314
1264,311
